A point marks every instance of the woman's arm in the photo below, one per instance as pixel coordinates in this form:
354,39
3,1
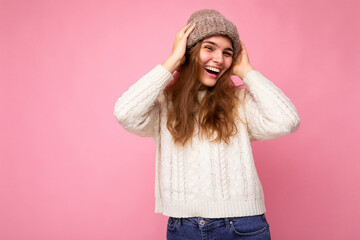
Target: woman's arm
269,112
137,110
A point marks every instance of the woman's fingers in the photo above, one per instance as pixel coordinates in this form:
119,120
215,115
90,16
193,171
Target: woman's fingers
189,30
185,29
182,30
179,47
243,49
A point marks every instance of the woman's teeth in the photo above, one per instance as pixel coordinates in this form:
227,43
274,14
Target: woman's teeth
215,70
212,72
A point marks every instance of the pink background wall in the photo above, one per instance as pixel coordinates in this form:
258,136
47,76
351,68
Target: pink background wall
69,171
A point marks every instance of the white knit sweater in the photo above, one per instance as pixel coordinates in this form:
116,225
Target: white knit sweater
206,179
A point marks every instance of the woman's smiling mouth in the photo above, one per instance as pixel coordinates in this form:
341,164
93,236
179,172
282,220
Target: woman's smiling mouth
212,71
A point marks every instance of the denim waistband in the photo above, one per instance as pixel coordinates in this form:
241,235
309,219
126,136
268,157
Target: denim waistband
204,223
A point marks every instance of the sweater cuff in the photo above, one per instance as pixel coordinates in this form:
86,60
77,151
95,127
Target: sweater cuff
251,76
161,70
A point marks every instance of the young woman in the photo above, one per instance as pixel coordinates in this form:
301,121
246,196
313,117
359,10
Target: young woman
206,180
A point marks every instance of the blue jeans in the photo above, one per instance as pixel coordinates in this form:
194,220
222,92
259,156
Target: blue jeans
198,228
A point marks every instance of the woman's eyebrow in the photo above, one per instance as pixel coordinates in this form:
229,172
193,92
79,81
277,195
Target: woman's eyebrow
230,49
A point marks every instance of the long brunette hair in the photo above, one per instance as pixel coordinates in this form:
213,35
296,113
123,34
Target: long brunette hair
215,113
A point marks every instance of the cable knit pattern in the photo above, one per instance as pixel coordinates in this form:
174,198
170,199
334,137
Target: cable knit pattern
206,179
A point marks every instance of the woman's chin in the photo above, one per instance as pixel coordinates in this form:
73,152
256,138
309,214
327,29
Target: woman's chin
208,82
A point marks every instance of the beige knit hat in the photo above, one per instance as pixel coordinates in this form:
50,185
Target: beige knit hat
210,22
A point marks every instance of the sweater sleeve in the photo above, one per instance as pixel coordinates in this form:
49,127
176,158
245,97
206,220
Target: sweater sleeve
269,113
137,110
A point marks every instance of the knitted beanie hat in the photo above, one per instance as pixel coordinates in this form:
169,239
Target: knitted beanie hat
210,22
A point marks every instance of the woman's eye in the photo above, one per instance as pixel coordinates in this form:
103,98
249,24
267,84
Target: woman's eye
226,53
208,48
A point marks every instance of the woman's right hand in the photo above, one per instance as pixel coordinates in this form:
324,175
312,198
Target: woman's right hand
177,57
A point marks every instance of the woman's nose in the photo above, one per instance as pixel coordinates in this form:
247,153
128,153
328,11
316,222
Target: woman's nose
218,57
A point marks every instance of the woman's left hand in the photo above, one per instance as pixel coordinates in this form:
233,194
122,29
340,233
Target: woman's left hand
242,64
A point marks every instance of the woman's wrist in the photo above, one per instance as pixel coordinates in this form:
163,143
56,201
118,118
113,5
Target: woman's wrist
244,71
171,64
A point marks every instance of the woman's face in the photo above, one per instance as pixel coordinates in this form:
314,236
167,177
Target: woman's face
216,56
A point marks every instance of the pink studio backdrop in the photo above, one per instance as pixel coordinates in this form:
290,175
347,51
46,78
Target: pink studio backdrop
68,170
